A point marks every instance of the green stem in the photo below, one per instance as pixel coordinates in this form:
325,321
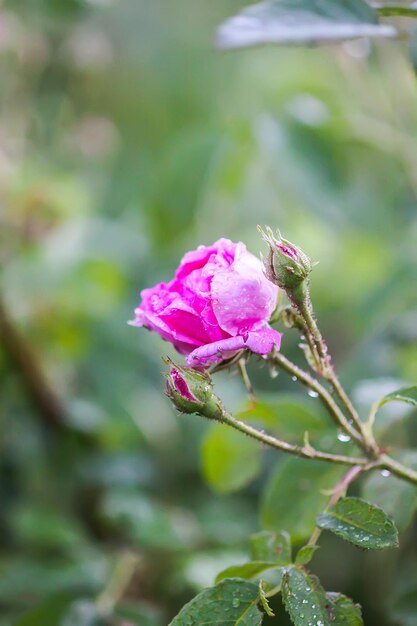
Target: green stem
301,299
306,379
292,319
306,451
380,460
241,364
398,469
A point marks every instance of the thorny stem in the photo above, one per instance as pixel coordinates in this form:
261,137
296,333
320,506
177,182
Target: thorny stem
304,319
398,469
306,379
302,301
306,451
292,319
376,458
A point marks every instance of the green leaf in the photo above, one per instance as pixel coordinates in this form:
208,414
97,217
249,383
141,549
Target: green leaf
269,551
269,546
301,22
406,394
293,496
305,600
264,600
229,459
397,497
346,612
231,601
248,571
305,554
360,523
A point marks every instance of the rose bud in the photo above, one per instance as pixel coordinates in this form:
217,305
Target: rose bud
286,265
191,391
218,304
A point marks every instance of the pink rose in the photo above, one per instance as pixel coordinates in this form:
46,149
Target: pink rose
219,302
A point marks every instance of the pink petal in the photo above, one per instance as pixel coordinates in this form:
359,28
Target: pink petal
242,297
180,385
260,341
215,352
197,259
264,340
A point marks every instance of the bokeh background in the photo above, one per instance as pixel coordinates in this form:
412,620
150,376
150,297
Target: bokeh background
126,139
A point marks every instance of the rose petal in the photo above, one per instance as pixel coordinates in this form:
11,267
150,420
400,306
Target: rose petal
260,341
215,352
264,340
180,385
198,259
242,297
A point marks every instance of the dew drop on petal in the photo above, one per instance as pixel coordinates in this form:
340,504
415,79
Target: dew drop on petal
385,473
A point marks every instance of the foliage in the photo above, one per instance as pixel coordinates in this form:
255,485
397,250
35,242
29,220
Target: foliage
124,140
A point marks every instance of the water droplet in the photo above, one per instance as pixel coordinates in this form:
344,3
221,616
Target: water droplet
385,473
313,394
235,603
273,371
294,378
320,623
343,437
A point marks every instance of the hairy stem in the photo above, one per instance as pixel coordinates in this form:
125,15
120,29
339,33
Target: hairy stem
376,458
333,408
398,469
302,301
306,451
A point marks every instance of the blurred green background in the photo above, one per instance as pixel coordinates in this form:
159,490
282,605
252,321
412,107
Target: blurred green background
126,139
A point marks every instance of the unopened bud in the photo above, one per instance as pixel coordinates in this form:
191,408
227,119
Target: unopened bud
191,391
286,265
